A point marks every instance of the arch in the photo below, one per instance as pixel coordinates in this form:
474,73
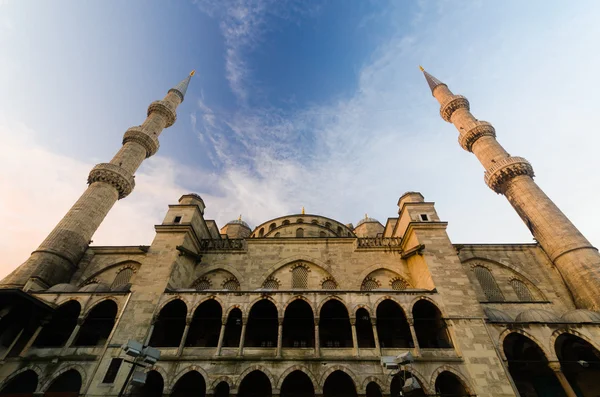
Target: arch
67,382
169,324
252,368
331,370
222,379
202,284
260,298
233,328
272,226
222,389
327,299
329,283
300,368
98,324
392,326
369,283
297,384
573,332
191,383
334,325
24,383
231,284
339,384
271,283
205,299
263,324
60,327
123,276
298,325
136,265
389,298
373,379
299,232
378,266
547,353
202,271
488,283
521,290
364,329
295,298
422,297
580,363
430,327
450,383
261,232
154,385
401,379
373,390
205,327
255,383
296,258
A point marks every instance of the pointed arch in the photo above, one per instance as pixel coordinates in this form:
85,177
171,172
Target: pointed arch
215,383
574,332
98,324
202,271
300,368
290,260
126,263
382,384
327,299
298,297
334,368
461,378
256,367
549,354
62,371
195,306
21,380
183,372
192,382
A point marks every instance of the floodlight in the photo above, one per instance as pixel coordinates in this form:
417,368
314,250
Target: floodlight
139,378
133,348
404,358
388,362
150,355
410,384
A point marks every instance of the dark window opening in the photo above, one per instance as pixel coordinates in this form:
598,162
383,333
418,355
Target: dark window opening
448,385
61,325
339,384
255,384
169,325
222,390
373,390
334,325
580,362
261,232
152,388
298,325
233,329
405,378
424,217
206,325
97,325
272,226
392,327
177,219
297,384
322,234
113,370
262,325
364,329
190,384
67,384
299,232
22,385
430,327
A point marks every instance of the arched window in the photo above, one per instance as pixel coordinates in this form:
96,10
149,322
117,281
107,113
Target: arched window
339,384
271,283
122,277
521,290
329,284
373,390
392,326
334,325
299,220
231,285
262,325
299,232
322,234
169,326
22,385
67,384
314,222
261,232
272,226
298,325
98,324
190,384
255,384
580,362
488,284
277,234
222,390
398,284
406,378
59,329
430,327
233,328
328,225
286,222
339,230
448,385
206,325
369,284
300,277
297,384
202,284
364,329
153,387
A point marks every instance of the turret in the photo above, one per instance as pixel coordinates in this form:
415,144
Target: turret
575,258
57,258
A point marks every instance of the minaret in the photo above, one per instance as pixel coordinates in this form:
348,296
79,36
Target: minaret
575,258
57,258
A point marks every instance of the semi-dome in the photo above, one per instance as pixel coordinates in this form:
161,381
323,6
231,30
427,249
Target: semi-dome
64,287
95,287
581,316
497,316
366,219
537,316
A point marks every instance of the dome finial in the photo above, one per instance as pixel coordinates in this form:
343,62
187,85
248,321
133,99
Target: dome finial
366,216
421,68
240,217
303,212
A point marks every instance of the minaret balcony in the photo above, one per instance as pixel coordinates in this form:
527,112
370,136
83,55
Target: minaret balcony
114,175
504,170
137,135
452,104
467,139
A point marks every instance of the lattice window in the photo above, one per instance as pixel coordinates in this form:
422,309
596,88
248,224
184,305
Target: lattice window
521,290
299,232
271,283
122,277
369,283
329,284
300,277
202,284
488,284
231,285
398,284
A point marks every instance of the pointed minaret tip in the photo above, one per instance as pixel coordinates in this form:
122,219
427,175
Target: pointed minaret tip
181,88
193,72
421,68
431,81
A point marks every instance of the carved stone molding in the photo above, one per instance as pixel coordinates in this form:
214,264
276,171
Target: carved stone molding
453,103
163,108
149,142
504,170
114,175
483,128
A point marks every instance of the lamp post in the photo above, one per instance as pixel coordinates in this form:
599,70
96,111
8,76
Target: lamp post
147,354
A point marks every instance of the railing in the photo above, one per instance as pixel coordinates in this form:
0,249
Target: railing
379,242
224,244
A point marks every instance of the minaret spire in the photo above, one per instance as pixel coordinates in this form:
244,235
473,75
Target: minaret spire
57,258
431,80
572,254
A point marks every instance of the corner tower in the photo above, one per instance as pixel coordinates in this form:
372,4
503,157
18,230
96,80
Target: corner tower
574,256
57,258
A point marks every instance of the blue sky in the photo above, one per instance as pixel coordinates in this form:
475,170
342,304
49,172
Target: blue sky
295,103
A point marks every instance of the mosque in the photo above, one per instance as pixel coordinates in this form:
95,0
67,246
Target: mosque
304,305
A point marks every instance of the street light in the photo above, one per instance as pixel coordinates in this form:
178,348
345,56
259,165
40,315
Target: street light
147,354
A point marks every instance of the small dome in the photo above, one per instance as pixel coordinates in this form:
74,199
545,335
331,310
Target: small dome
366,220
238,222
64,287
537,316
95,287
497,316
581,316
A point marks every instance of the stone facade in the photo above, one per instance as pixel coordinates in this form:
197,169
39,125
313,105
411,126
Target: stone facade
301,305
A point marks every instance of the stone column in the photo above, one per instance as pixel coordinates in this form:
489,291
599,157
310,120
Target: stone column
279,336
188,322
150,331
34,337
413,333
555,367
12,344
242,336
375,335
317,339
354,336
221,337
74,333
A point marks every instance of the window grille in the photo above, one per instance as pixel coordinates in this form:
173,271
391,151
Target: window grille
398,284
122,277
369,284
521,290
488,284
271,283
329,284
300,277
202,284
231,285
